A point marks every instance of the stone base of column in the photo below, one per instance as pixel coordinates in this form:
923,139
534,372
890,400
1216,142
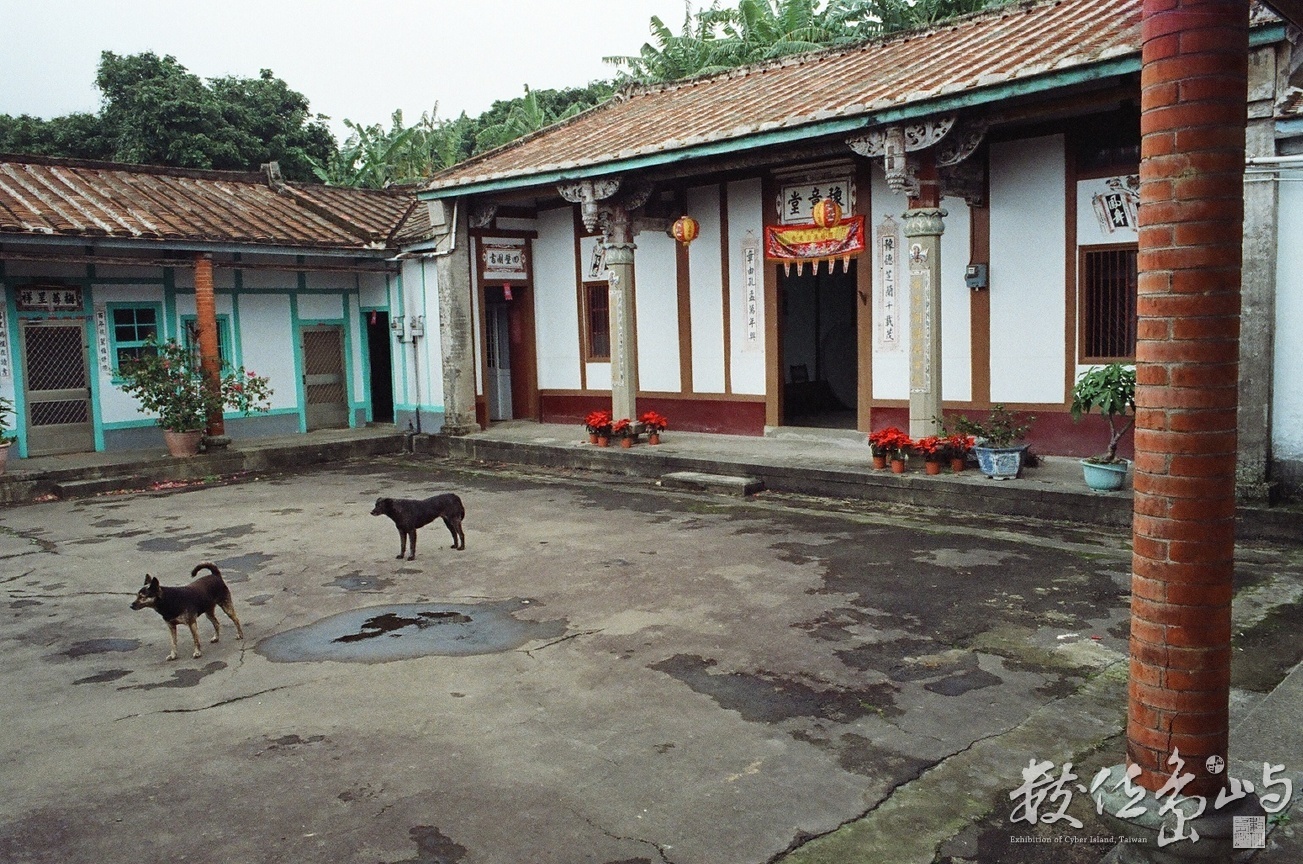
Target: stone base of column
217,442
1141,833
457,430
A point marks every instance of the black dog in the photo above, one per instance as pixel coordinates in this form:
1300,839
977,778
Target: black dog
409,514
185,605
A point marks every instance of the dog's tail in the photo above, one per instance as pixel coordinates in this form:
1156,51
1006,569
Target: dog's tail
207,565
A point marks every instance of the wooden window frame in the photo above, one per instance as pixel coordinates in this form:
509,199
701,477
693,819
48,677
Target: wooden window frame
1084,357
117,345
591,355
190,339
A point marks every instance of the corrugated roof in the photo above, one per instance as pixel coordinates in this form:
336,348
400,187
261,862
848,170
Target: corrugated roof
44,197
1017,42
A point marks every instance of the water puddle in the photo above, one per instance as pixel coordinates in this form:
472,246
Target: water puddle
379,634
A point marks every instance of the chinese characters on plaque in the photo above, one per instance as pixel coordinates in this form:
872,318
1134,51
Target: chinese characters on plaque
49,298
6,371
796,200
887,293
751,293
503,259
102,352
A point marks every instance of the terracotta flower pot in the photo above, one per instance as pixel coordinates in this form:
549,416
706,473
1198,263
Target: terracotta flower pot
932,467
956,464
879,461
653,437
897,466
592,437
603,441
4,456
183,445
626,442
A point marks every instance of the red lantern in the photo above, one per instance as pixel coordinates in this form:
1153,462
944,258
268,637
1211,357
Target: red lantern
685,229
826,213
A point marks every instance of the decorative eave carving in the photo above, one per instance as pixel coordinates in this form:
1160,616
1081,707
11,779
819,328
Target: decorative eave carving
482,213
586,193
954,141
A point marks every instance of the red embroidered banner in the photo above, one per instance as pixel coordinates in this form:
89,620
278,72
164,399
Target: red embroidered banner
810,242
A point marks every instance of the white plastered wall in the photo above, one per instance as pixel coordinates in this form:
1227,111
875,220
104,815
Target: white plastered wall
556,310
745,224
1027,270
706,294
266,337
1287,377
657,299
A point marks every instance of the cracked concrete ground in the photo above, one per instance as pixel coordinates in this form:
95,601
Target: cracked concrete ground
686,679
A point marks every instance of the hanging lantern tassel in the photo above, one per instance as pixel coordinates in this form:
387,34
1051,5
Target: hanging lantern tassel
685,229
826,213
787,268
846,263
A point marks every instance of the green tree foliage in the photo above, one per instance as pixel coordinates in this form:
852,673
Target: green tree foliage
507,121
718,38
156,112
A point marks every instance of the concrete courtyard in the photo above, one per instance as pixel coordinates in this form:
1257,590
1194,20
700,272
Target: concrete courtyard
611,673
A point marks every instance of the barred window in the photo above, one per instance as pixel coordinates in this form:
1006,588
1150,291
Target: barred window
1108,303
598,319
190,331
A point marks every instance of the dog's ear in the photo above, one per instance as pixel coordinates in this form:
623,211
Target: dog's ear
146,580
152,582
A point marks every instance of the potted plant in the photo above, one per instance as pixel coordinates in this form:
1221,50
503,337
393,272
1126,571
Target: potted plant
1112,390
6,440
883,443
932,449
957,449
999,456
598,424
170,384
625,431
653,424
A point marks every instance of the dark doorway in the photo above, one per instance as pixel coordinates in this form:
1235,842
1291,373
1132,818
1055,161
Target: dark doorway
380,360
820,348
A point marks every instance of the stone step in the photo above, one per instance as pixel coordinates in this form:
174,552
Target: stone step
723,484
98,486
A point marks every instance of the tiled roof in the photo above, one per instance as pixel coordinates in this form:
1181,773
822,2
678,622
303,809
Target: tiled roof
1015,43
48,197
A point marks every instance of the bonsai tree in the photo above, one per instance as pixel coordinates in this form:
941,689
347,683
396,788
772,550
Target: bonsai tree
1112,390
1001,428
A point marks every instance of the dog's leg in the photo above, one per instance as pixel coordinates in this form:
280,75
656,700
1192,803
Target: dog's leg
194,634
402,548
451,523
217,628
171,631
412,555
229,608
458,535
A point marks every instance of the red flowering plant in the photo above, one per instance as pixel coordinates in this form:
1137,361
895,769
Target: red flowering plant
890,442
959,446
931,448
623,428
653,422
598,423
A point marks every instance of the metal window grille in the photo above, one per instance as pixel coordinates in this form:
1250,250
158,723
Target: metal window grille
599,321
322,357
55,362
191,332
1108,303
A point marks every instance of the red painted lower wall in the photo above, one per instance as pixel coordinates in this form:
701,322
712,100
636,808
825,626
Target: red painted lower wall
1052,434
729,417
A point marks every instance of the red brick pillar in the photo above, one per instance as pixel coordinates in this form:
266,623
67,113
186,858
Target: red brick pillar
210,362
1193,85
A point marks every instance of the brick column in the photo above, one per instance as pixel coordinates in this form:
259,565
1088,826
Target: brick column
1193,82
210,362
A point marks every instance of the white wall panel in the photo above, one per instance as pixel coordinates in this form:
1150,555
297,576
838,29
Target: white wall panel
556,303
707,292
956,304
1287,397
745,220
267,337
320,307
657,298
1027,270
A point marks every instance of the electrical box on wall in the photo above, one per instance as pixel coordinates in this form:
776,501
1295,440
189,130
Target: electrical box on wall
975,276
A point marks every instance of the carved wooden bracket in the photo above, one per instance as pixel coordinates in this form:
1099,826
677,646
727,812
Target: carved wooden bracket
893,143
586,193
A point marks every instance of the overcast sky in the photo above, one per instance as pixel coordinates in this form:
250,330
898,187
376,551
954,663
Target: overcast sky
354,59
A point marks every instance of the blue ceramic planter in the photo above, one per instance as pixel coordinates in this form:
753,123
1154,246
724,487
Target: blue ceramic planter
1105,476
1000,463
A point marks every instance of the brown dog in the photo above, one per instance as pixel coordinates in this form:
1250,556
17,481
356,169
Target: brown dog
185,605
409,514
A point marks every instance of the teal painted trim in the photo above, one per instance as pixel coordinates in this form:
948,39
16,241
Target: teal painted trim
1290,128
15,367
226,415
109,308
350,392
224,335
982,96
237,344
169,303
300,397
366,357
100,243
402,355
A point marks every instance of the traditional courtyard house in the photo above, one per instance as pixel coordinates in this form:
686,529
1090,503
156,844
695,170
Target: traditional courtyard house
982,250
308,282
